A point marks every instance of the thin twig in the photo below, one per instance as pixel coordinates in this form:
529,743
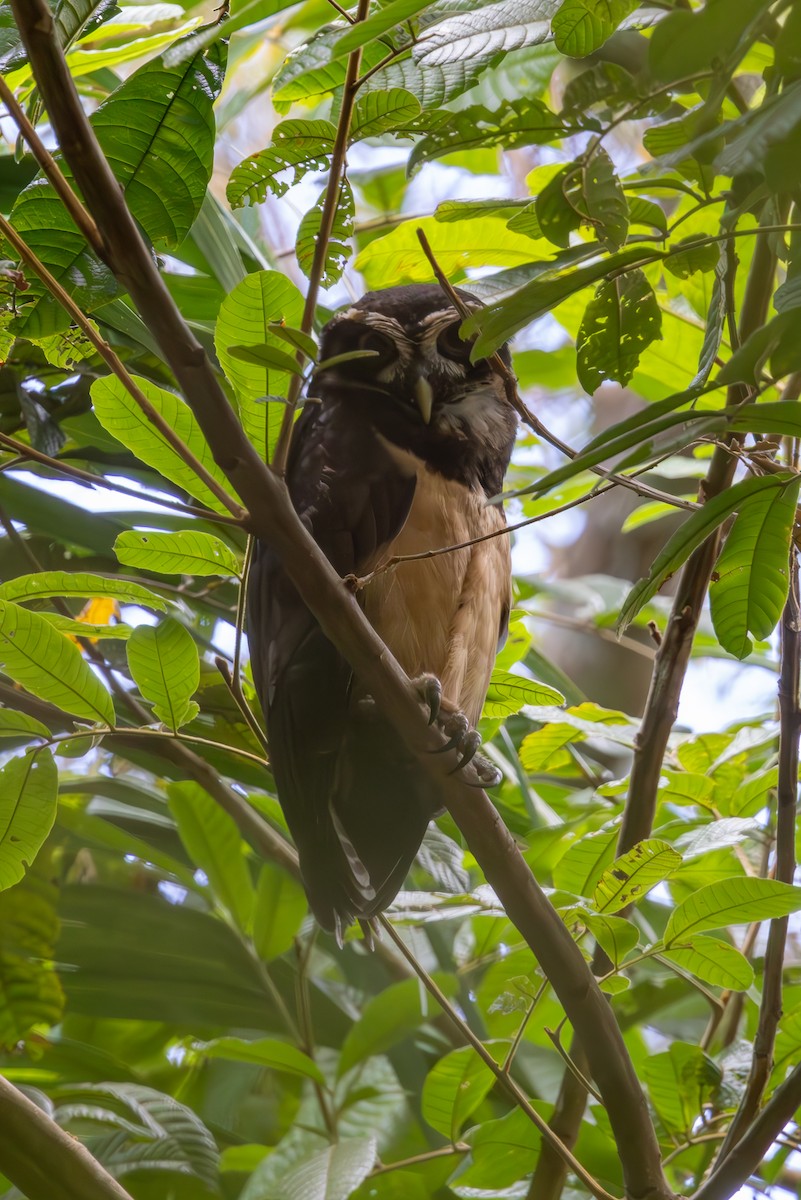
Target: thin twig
336,179
30,453
506,1081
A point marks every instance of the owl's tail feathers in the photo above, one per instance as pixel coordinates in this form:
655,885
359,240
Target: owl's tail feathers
378,810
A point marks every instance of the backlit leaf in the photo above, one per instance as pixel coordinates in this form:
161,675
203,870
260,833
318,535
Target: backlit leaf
185,552
28,793
163,661
620,322
632,876
735,901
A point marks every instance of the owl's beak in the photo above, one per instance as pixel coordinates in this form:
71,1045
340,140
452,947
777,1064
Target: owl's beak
424,396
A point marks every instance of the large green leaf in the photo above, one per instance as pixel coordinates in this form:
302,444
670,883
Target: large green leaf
455,1087
185,552
157,131
246,315
692,533
508,693
714,962
752,575
388,1018
28,791
49,665
30,991
397,12
519,122
278,912
377,112
263,1052
580,27
680,1081
736,901
214,844
331,1174
45,584
121,416
20,725
164,663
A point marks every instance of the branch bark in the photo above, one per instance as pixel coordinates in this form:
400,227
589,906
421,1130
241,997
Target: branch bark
42,1160
272,518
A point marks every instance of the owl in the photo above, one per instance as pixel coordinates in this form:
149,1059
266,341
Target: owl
396,452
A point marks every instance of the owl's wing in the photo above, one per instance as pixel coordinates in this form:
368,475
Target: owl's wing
356,802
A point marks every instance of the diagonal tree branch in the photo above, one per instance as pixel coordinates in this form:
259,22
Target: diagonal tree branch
272,517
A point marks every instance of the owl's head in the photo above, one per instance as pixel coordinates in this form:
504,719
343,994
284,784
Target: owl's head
418,384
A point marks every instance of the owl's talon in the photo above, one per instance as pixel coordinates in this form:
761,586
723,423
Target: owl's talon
430,691
456,728
470,744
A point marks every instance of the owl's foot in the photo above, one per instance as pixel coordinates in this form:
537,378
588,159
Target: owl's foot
429,689
467,742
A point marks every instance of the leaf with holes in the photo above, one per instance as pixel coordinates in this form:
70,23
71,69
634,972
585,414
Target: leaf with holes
752,575
248,316
185,552
28,802
49,665
338,249
298,146
164,664
619,323
695,530
603,202
736,901
632,876
521,122
121,416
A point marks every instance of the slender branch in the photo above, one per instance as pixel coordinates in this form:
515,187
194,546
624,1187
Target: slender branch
190,510
51,169
117,368
336,178
44,1161
752,1147
500,1072
770,1009
426,1156
272,518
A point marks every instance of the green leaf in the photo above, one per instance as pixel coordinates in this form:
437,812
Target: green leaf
455,1087
615,935
736,901
298,145
680,44
520,122
338,249
157,131
49,665
314,68
603,202
619,323
163,661
502,1152
714,962
508,693
389,1017
684,263
268,357
264,1052
692,533
456,245
777,341
28,801
45,584
752,575
214,844
497,322
20,725
30,991
681,1081
280,907
331,1174
185,552
378,23
247,317
580,27
296,338
632,876
379,112
583,863
121,416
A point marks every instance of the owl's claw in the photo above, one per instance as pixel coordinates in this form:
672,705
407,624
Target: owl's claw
429,689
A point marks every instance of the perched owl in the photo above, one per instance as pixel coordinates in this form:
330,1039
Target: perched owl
394,453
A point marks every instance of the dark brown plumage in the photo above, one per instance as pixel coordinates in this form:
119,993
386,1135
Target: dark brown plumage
393,453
